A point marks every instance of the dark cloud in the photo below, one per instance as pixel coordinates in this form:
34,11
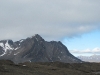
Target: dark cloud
53,19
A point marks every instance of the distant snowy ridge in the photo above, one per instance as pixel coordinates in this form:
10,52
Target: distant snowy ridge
93,58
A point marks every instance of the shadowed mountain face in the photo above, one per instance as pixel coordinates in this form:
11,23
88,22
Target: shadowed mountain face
35,49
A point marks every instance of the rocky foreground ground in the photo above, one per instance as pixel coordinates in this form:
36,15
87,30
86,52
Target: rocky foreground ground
54,68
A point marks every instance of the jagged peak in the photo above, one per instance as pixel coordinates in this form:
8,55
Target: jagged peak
37,37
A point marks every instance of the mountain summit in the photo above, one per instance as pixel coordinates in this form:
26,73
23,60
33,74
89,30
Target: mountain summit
35,49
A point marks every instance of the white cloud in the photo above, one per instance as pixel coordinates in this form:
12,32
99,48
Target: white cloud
53,19
96,50
88,51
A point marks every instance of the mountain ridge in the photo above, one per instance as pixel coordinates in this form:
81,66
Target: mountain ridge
92,58
35,49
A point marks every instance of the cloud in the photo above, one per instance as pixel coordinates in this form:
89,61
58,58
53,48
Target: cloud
53,19
87,51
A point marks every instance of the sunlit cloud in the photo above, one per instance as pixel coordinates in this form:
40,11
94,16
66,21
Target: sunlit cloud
87,51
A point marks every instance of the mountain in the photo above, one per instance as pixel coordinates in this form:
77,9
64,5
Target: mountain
93,58
35,49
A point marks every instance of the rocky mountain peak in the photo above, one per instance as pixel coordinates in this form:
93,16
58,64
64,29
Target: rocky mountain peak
37,37
35,49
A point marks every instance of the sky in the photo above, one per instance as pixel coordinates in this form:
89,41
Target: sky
74,22
85,45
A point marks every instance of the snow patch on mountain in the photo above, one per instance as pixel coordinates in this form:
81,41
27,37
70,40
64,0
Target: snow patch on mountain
2,45
16,53
21,40
6,47
16,48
